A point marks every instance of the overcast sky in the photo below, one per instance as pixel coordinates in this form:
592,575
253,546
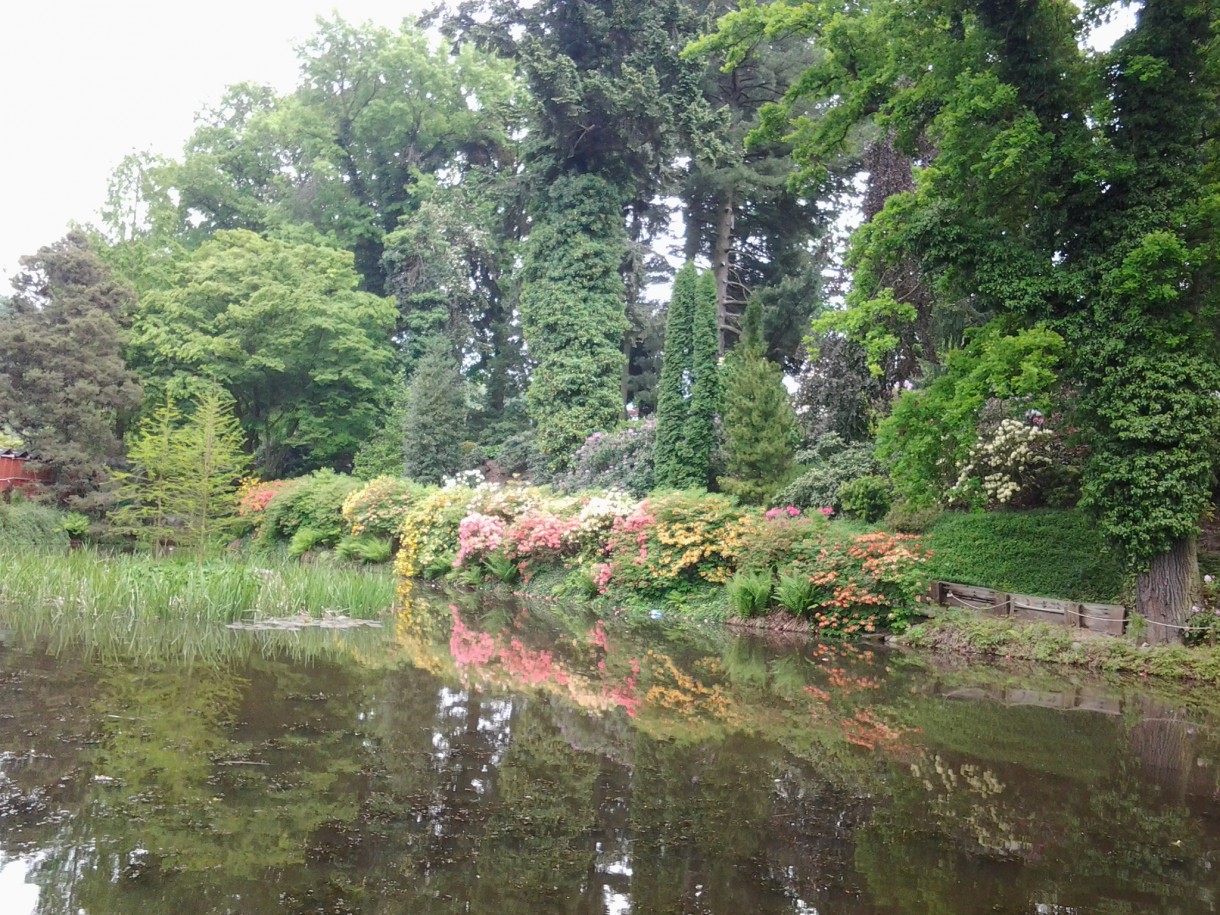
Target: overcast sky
84,82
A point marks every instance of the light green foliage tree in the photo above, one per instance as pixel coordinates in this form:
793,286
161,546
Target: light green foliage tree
572,315
283,328
65,389
183,488
760,432
434,422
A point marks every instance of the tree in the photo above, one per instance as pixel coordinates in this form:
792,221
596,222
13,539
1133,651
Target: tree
65,389
689,396
760,432
282,328
435,417
572,315
182,490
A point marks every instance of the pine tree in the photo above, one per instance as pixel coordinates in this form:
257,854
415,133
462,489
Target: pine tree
760,432
435,423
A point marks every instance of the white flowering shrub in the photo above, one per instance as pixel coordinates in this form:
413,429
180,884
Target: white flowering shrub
1005,465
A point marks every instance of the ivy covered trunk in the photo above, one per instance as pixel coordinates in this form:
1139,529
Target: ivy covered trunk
1166,590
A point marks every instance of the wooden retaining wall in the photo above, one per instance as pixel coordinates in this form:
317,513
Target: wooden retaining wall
1108,618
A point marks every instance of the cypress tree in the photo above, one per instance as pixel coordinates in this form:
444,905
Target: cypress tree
673,454
707,390
760,432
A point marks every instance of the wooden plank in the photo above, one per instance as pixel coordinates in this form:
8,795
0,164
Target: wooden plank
1072,616
972,592
1108,618
1039,609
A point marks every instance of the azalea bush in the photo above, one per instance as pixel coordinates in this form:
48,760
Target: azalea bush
621,460
314,502
429,534
377,509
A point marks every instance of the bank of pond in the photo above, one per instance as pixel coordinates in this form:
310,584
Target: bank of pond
479,752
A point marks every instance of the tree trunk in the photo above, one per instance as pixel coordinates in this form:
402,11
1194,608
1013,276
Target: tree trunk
727,315
1165,591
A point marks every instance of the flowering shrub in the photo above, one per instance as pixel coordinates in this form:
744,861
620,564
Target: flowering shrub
673,540
620,460
478,536
428,536
788,511
1004,466
865,583
507,501
253,496
541,536
763,542
378,508
314,502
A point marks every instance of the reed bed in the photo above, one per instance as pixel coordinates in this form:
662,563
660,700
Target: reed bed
90,585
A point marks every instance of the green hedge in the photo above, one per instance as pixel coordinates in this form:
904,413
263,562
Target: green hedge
1049,552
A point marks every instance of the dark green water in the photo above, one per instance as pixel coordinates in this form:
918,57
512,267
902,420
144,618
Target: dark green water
519,763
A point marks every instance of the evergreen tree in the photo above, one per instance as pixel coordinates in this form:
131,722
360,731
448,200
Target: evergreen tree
435,421
65,389
689,396
760,432
672,455
145,494
572,315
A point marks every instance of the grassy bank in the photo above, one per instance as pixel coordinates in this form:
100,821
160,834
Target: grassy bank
966,633
86,584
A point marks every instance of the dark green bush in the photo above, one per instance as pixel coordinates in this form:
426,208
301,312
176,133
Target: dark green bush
28,525
1050,552
366,548
867,498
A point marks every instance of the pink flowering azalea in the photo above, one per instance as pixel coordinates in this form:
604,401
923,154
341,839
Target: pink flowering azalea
478,535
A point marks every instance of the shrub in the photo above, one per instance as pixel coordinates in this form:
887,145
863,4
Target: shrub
502,568
76,525
28,525
1051,552
904,518
366,548
479,535
428,536
622,460
829,465
867,498
304,540
749,593
541,536
757,542
378,507
315,501
678,539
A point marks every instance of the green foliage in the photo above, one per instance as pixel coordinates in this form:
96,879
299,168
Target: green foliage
760,432
506,569
304,540
434,423
314,502
832,464
284,330
76,525
29,526
866,498
796,594
366,548
572,315
1048,552
65,389
689,395
381,454
930,431
749,593
183,488
622,459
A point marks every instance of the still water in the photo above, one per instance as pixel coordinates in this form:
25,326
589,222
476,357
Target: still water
503,760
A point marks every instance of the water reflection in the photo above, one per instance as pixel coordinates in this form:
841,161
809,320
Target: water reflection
502,760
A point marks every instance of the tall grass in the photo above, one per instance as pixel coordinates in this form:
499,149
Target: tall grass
85,584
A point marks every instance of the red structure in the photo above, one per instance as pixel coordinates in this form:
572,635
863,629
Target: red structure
15,474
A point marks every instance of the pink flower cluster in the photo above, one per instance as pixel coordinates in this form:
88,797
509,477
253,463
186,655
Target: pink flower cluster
637,523
826,510
540,534
478,535
790,511
601,576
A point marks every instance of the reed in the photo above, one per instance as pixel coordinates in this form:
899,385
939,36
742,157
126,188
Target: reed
86,584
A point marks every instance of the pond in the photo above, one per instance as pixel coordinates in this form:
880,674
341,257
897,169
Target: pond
500,759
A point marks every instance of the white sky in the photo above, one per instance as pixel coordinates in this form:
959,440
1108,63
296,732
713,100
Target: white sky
85,82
